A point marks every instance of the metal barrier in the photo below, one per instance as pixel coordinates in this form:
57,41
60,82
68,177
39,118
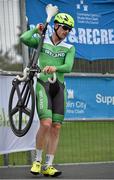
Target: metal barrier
99,66
79,142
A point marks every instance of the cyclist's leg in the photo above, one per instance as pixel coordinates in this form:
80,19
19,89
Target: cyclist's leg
58,117
59,103
43,104
45,115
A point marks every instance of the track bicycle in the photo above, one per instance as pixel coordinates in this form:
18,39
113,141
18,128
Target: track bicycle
21,105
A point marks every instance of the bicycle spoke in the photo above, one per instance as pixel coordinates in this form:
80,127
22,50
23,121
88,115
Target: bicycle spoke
27,99
18,92
25,94
24,87
20,119
27,111
14,110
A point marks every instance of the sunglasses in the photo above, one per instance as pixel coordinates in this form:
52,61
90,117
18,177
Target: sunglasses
65,28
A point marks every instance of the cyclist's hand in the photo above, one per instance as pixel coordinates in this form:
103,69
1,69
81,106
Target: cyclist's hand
40,27
49,69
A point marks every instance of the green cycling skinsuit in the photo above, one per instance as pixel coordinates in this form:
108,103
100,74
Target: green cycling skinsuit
51,98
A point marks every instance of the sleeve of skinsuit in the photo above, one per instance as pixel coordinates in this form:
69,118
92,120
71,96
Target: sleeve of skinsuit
28,39
69,59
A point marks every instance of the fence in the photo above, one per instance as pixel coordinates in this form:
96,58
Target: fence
80,141
98,66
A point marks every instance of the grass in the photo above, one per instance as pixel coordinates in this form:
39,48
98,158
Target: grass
79,142
86,142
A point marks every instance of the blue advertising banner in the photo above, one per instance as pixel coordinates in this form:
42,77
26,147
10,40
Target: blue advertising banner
93,34
89,98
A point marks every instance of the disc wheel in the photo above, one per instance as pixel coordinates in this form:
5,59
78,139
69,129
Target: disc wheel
21,107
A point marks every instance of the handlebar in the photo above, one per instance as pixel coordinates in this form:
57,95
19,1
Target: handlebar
26,72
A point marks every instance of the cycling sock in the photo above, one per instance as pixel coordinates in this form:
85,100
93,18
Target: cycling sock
39,155
49,159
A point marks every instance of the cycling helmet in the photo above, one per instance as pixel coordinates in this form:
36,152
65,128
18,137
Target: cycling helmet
63,18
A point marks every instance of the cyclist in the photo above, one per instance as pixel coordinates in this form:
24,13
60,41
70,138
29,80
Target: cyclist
56,56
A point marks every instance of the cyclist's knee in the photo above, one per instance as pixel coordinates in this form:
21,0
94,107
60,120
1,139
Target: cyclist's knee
56,126
55,129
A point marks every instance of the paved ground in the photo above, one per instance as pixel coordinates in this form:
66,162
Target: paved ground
78,171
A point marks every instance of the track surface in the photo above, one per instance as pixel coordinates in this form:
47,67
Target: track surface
78,171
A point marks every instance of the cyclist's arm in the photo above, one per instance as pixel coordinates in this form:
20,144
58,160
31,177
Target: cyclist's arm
69,59
28,39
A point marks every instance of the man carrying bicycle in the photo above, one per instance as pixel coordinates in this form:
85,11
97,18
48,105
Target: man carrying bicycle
56,56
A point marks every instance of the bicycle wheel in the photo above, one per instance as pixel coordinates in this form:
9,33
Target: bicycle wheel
21,107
